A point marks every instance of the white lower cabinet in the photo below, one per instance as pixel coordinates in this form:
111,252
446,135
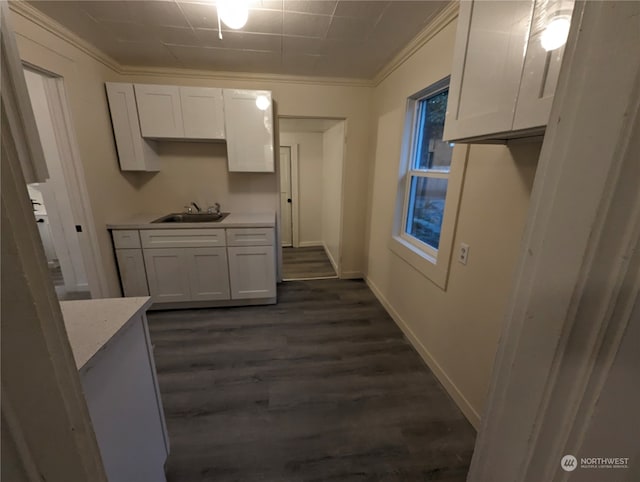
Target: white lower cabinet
252,272
132,272
167,274
208,273
194,265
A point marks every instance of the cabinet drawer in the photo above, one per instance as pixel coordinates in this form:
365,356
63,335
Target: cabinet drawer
182,238
126,239
250,237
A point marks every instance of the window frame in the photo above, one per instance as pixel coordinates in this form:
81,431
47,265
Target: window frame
431,262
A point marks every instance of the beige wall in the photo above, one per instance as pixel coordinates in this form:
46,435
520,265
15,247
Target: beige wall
193,170
332,189
456,330
309,189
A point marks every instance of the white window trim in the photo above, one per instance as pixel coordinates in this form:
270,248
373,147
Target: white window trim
430,262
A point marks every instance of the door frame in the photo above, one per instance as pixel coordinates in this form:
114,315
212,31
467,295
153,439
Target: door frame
578,276
73,172
295,193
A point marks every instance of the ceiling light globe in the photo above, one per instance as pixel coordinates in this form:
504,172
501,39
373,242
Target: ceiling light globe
234,13
556,33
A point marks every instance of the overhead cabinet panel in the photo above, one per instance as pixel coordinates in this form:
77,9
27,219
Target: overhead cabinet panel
248,116
503,80
134,152
202,112
488,58
159,111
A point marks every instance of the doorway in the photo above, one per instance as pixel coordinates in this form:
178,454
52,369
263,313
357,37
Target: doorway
311,163
58,204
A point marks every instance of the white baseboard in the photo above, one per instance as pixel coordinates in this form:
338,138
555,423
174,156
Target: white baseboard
467,409
309,244
331,260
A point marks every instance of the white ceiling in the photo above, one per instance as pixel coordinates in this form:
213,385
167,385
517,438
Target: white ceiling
330,38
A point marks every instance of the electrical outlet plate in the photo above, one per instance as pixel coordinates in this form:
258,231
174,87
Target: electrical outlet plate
463,253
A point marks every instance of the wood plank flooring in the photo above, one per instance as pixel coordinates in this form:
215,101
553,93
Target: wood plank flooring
306,263
320,387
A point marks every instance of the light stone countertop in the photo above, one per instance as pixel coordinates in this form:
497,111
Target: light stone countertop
233,220
91,324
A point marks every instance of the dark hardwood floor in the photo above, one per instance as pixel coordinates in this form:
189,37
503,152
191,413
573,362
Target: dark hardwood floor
306,263
320,387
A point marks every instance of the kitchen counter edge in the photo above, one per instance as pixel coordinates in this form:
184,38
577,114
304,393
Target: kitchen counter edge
233,220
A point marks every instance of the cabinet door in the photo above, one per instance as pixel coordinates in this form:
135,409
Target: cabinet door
159,111
252,272
134,154
541,68
208,273
202,112
167,274
248,117
487,65
132,273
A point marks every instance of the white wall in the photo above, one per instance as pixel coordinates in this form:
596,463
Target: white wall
456,330
309,187
332,191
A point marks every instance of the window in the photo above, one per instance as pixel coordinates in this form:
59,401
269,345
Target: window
431,181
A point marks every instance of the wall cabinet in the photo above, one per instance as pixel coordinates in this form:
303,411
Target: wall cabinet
142,114
248,118
134,152
173,112
196,265
502,80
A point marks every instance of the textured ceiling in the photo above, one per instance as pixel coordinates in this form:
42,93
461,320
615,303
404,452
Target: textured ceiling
329,38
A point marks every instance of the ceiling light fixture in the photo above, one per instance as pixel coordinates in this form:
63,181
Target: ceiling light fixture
234,13
556,33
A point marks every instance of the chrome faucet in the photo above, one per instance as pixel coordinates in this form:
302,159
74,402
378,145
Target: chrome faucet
215,209
193,203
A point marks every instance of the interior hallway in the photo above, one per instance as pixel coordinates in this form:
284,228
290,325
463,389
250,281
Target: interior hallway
321,386
306,263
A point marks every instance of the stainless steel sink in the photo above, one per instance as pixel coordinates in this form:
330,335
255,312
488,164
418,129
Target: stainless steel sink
191,218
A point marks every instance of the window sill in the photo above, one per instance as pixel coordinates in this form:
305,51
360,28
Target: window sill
432,268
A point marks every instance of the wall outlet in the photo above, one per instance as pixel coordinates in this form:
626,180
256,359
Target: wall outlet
463,253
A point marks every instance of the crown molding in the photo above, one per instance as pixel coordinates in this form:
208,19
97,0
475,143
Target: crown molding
34,15
244,76
440,21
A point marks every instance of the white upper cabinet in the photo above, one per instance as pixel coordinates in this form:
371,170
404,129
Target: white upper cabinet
541,67
134,153
502,80
202,112
173,112
159,111
248,116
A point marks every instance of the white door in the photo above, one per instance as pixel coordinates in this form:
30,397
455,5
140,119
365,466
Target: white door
55,197
286,229
208,273
167,274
